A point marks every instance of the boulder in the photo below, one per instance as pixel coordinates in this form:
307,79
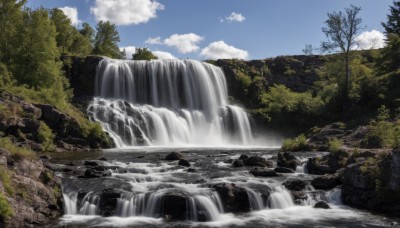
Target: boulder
322,205
174,156
257,161
234,198
238,163
174,206
184,162
93,173
287,160
326,182
108,202
294,185
283,170
262,172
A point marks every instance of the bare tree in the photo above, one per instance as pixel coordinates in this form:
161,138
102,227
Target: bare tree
341,30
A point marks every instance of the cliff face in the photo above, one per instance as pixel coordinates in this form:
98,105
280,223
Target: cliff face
297,73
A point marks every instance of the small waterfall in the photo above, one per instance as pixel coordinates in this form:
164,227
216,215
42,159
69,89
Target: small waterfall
256,201
167,102
70,201
280,199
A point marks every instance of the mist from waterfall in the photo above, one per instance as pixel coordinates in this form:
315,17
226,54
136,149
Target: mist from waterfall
167,103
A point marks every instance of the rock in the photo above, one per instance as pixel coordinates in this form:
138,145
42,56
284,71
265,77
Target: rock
243,157
234,198
174,206
238,163
327,164
287,160
262,172
174,156
294,185
322,205
283,170
299,196
191,170
257,161
103,159
184,162
108,202
90,163
93,173
326,182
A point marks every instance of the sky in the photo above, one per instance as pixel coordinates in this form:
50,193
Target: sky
212,29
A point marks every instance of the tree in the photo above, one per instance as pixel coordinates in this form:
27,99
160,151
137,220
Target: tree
143,54
308,49
10,21
87,31
81,44
393,19
341,30
106,40
65,31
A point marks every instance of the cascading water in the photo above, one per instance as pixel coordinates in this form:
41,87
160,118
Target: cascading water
167,103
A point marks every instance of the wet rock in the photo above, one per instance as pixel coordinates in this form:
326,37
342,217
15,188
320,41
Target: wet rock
243,157
238,163
322,205
257,161
108,202
234,198
191,170
287,160
90,163
174,156
184,162
327,164
295,185
299,196
103,159
174,206
283,170
326,182
262,172
93,173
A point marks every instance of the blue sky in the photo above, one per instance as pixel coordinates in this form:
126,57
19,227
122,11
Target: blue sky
250,29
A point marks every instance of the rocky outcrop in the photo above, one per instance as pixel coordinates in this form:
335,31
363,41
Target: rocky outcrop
234,198
327,164
326,182
32,191
374,183
287,160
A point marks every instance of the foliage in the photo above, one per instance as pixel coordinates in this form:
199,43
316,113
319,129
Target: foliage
6,181
335,145
308,49
6,210
18,152
64,29
297,144
45,137
143,54
393,19
106,39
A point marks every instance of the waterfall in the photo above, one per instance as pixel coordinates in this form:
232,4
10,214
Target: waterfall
167,103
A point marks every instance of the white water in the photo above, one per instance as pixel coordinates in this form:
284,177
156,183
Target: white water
167,103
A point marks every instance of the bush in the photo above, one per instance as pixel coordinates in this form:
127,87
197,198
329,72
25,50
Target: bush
45,137
297,144
5,178
16,151
383,134
6,210
335,145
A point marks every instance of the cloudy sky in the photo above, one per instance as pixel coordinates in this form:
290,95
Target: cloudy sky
212,29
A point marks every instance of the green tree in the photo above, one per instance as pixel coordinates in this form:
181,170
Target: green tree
10,21
106,40
143,54
37,63
393,19
87,31
65,31
81,44
341,30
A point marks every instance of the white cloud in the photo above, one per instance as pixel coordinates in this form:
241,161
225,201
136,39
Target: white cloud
125,12
234,17
185,43
72,14
163,55
221,50
155,40
370,40
129,51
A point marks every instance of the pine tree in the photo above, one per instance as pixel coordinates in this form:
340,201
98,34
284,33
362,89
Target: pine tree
65,31
392,26
106,40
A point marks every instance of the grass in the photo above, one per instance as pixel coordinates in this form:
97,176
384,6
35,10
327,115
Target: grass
6,210
16,151
46,137
297,144
5,178
335,145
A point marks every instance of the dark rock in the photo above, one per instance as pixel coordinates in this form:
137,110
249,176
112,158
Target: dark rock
92,173
326,182
234,198
174,206
103,159
184,162
299,196
287,160
90,163
243,157
327,164
262,172
294,185
191,170
322,205
283,170
257,161
174,156
238,163
108,202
